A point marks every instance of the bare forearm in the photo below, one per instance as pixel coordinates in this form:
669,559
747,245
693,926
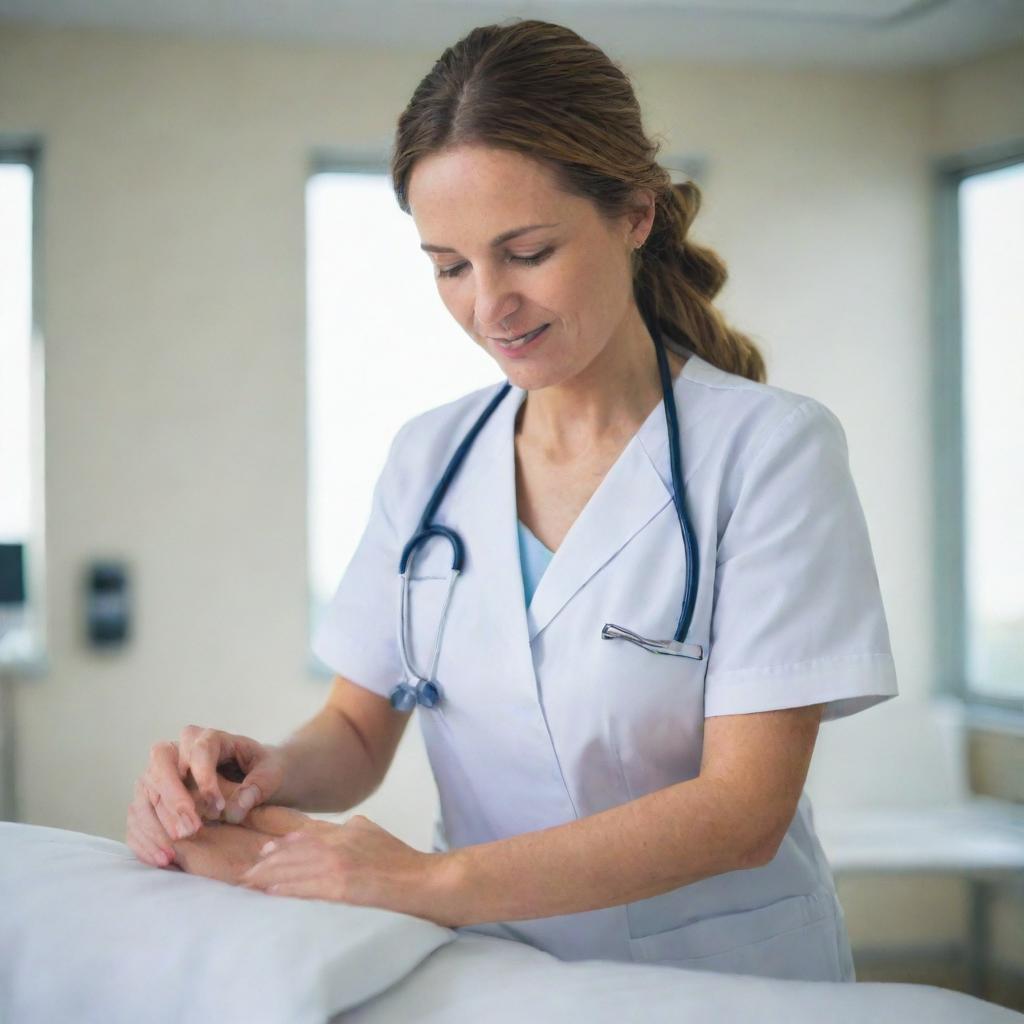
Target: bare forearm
327,766
643,848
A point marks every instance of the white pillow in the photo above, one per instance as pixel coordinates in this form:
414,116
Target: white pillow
90,933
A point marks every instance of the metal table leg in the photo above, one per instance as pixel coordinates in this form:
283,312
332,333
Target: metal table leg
978,938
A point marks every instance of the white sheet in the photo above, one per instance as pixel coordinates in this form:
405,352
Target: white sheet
482,980
88,933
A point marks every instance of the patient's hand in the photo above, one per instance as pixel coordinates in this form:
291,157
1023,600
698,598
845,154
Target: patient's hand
224,851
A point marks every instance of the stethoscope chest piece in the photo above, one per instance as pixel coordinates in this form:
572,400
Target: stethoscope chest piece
416,688
405,697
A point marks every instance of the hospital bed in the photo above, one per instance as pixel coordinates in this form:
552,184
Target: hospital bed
89,933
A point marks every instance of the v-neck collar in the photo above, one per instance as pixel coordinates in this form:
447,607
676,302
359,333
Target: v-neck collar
522,526
630,495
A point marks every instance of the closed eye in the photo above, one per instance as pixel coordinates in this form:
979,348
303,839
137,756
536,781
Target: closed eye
526,261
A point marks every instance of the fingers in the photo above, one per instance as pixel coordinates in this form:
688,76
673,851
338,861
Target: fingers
289,858
260,782
148,851
182,786
244,799
171,801
145,835
201,750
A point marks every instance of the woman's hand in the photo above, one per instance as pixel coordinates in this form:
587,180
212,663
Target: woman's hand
357,862
164,810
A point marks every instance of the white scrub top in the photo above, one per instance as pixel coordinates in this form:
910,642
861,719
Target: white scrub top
543,722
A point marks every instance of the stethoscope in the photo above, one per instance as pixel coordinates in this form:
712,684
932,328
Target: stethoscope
425,690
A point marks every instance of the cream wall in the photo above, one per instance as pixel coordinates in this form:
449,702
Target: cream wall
173,293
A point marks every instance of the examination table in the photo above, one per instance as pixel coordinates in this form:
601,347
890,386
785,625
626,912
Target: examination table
89,933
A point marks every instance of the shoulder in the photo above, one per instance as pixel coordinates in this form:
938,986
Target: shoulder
449,414
748,418
432,436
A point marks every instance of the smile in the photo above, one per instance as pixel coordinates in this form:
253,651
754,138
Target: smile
524,339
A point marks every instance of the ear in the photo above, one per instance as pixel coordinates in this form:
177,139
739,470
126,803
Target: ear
641,218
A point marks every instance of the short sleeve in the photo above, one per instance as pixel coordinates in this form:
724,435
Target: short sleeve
357,634
797,616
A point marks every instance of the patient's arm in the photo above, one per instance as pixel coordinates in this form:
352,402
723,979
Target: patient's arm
224,851
219,850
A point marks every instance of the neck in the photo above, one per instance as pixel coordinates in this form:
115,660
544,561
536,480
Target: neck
601,406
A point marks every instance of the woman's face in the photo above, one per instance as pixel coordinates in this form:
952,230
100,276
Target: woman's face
572,273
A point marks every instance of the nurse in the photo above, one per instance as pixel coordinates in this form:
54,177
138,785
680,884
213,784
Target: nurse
598,798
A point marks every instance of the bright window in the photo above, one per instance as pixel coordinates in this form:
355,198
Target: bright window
381,348
991,217
19,542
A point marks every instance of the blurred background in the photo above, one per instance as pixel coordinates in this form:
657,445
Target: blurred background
213,318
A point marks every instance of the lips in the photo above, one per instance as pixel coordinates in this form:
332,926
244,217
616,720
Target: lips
519,337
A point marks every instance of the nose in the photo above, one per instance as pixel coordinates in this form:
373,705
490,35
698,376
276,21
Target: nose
494,302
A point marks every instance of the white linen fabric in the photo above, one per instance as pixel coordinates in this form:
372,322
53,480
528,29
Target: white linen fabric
88,933
542,721
480,978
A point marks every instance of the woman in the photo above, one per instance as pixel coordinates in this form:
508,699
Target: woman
639,799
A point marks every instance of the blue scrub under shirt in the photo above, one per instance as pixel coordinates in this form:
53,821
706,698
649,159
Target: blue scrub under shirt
533,560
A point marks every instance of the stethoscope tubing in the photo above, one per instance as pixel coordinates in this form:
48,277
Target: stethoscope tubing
676,462
426,690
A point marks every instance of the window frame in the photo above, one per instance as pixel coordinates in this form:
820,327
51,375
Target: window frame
949,591
28,150
323,160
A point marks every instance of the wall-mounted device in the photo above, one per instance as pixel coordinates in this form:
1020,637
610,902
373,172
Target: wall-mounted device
108,611
12,574
12,590
12,629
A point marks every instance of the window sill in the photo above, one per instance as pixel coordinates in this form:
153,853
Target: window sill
987,717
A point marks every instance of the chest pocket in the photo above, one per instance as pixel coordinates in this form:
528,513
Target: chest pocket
653,711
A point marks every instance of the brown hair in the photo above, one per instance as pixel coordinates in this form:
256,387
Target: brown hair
543,91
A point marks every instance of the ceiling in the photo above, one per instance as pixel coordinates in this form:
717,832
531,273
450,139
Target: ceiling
881,34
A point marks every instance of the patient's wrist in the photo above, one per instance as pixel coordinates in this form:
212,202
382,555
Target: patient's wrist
220,851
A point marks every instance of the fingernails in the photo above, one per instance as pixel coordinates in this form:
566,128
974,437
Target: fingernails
245,800
185,826
269,847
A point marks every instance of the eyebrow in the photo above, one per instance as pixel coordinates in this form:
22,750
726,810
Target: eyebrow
503,237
